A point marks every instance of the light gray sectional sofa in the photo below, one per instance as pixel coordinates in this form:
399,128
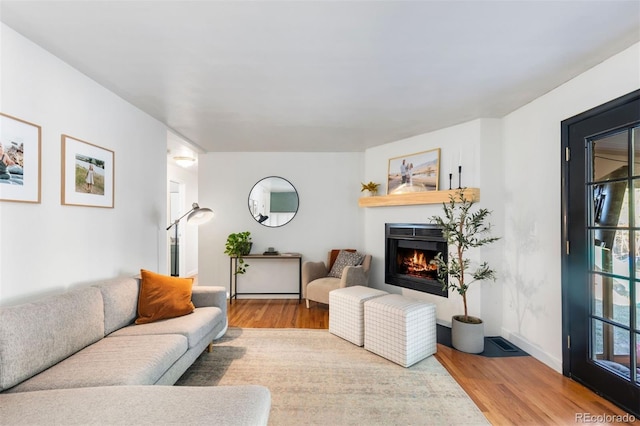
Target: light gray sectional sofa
78,358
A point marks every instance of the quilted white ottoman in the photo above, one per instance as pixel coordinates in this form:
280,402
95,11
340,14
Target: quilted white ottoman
346,311
400,329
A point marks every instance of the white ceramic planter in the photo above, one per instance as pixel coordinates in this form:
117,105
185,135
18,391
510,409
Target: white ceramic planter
467,337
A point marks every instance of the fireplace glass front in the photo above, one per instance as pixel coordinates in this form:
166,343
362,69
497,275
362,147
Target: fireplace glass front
409,257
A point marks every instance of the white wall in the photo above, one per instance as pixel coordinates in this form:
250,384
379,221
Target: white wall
188,178
476,140
532,157
328,186
516,163
47,247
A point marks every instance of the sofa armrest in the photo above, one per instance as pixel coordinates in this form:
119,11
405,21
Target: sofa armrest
354,275
204,296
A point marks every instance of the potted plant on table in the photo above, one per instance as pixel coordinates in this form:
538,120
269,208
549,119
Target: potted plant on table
239,244
464,229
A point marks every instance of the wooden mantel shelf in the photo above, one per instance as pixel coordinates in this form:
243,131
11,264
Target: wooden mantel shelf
414,198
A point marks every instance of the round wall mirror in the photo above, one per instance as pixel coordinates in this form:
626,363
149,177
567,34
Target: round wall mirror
273,201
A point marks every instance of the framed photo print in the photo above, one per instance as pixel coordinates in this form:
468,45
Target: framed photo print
19,160
87,174
417,172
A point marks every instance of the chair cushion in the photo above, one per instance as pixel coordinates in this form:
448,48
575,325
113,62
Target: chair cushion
318,290
344,259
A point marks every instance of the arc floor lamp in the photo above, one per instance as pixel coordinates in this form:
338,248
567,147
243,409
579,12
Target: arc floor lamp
196,216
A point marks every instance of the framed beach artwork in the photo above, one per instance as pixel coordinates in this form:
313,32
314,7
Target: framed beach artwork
417,172
87,174
19,160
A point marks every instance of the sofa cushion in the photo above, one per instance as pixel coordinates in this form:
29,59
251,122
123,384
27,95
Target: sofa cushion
194,326
162,296
127,360
34,336
120,297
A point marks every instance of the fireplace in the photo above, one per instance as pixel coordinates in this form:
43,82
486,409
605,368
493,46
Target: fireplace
409,256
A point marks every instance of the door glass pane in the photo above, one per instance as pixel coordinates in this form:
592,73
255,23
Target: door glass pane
610,252
636,237
609,204
611,348
611,299
635,134
610,157
598,292
621,302
620,263
637,283
637,354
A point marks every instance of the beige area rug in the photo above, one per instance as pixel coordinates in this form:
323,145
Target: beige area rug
316,378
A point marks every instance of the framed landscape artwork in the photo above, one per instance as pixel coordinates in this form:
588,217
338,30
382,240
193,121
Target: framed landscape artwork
417,172
87,174
19,160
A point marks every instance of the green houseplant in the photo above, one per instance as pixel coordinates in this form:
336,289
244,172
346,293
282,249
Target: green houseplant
239,244
464,229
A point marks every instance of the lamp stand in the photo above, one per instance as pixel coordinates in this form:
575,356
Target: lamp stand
176,254
196,215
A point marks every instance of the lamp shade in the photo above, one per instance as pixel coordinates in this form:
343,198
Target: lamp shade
199,215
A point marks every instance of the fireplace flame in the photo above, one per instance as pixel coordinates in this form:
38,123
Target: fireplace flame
417,263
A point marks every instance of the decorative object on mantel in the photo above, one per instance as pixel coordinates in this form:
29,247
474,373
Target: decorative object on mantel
417,198
464,230
371,188
19,160
417,172
238,245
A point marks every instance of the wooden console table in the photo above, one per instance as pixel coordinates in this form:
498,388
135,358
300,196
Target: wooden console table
233,278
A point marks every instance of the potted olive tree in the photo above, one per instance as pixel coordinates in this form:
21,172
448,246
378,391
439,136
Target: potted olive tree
239,244
464,229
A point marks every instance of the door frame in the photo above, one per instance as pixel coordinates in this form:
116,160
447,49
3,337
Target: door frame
567,298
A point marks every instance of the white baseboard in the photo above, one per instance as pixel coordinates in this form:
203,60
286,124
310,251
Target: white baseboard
533,350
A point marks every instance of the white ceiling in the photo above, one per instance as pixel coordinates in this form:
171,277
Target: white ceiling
325,75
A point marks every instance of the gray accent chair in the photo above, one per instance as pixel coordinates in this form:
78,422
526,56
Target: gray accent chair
316,284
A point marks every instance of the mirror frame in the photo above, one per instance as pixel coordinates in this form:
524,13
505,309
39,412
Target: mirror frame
251,208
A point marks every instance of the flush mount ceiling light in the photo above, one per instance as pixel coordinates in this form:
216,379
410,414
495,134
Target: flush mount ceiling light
185,161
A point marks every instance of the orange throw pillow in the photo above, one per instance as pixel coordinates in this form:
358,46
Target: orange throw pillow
162,297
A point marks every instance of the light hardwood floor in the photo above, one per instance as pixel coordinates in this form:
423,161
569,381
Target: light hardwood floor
509,391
